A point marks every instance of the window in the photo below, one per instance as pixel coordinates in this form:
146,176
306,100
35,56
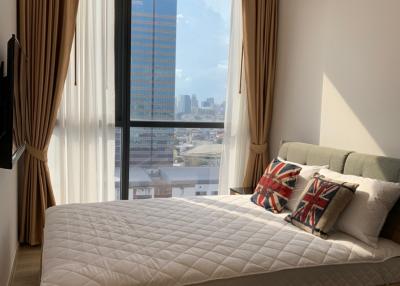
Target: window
171,85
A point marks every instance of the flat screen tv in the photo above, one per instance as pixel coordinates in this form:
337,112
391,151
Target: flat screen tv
11,89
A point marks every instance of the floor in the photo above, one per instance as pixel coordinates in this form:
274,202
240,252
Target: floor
27,267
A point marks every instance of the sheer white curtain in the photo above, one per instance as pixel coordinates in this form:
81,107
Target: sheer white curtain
82,149
236,138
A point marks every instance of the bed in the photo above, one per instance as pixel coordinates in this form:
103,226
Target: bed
216,240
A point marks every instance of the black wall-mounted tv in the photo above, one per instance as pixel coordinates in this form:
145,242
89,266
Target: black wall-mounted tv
10,89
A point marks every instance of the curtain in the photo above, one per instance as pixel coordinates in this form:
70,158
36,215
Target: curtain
236,135
82,150
260,26
45,30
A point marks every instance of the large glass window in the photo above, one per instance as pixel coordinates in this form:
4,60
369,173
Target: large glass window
170,162
178,53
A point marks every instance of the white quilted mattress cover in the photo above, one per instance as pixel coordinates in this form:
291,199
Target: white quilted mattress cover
184,241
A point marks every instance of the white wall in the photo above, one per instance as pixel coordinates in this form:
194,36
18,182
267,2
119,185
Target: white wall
8,222
8,179
338,75
8,25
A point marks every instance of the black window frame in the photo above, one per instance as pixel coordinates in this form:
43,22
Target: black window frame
123,12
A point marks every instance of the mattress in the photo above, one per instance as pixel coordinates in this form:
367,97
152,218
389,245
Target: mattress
356,274
216,240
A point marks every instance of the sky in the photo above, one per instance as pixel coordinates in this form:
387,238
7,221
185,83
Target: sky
203,28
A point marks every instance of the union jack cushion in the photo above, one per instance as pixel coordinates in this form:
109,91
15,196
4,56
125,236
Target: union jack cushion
276,185
322,201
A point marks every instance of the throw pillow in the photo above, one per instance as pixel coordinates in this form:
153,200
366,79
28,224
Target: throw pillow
321,203
367,212
305,175
276,185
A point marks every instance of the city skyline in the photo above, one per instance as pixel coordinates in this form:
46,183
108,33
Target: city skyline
173,77
203,29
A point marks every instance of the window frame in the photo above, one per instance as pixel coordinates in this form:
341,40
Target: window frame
123,13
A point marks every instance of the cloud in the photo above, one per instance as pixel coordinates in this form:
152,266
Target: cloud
179,73
182,18
221,7
188,78
223,66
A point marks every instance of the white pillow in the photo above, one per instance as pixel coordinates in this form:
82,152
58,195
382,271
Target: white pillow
366,214
305,175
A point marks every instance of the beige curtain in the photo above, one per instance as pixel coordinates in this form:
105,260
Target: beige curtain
46,31
260,25
20,111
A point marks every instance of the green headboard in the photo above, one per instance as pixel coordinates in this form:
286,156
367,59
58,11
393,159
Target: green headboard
342,161
370,166
309,154
381,168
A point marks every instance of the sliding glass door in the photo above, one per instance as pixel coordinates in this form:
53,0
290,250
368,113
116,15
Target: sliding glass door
171,85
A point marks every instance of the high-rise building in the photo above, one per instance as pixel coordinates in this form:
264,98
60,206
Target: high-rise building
153,53
184,104
195,103
208,103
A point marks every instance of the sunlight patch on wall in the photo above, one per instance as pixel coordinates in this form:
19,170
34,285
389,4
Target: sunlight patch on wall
340,126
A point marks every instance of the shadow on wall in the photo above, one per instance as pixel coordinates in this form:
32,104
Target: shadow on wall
297,104
343,67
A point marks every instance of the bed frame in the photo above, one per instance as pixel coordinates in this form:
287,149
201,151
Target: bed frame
351,163
347,162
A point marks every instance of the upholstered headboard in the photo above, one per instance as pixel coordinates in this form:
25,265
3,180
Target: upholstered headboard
347,162
381,168
370,166
308,154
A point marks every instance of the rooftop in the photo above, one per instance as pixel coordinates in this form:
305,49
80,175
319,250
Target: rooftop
190,175
207,150
137,177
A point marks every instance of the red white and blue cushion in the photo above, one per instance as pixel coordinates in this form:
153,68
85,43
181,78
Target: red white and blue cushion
323,200
276,185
